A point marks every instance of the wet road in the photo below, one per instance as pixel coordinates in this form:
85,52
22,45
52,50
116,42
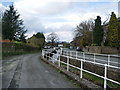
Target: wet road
28,71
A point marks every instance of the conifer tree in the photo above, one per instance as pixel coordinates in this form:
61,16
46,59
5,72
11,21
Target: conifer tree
113,31
98,32
12,25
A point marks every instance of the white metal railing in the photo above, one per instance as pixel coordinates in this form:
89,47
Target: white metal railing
110,60
69,55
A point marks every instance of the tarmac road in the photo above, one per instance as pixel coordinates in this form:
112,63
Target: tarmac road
28,71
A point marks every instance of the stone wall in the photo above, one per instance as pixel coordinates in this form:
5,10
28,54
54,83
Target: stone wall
102,49
16,47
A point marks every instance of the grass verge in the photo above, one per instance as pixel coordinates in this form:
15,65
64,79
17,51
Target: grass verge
97,80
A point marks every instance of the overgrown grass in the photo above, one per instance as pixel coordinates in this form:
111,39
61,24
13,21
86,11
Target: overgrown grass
113,85
93,78
90,77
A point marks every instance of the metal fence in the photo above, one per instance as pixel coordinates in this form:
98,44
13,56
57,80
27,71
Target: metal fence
110,60
99,59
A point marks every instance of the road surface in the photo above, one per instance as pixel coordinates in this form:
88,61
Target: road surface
28,71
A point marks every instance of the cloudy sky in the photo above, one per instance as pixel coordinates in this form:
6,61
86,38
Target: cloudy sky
60,16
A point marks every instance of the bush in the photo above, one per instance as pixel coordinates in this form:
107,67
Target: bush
94,44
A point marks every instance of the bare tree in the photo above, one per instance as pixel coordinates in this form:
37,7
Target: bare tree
83,27
83,33
53,38
107,19
105,28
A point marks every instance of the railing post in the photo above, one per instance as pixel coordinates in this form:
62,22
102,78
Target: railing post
67,61
84,56
48,56
94,58
76,54
105,77
59,59
53,58
61,51
81,68
108,60
69,52
43,53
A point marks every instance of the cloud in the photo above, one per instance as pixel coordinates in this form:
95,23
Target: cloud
44,7
2,8
37,14
61,16
63,35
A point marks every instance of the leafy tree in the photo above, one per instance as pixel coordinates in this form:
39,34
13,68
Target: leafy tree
86,40
41,37
98,32
113,31
12,25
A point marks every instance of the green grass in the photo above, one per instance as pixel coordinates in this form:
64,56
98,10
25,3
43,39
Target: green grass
113,85
17,42
93,78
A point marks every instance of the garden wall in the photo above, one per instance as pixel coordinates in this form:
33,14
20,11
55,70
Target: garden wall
102,49
16,47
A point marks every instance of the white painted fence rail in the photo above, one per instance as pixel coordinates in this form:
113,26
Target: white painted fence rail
85,57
